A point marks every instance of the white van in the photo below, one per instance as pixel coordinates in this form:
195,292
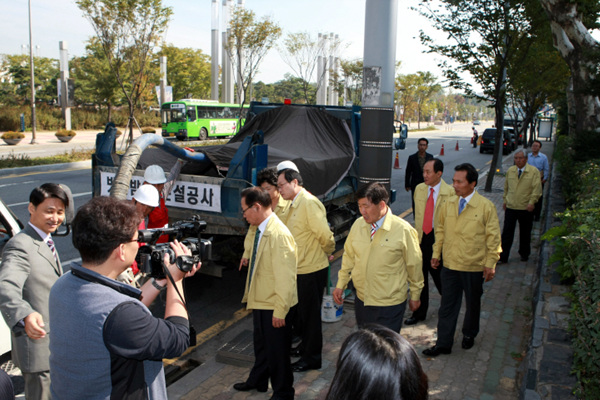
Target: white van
9,227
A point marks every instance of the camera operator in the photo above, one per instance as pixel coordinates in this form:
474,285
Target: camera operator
104,342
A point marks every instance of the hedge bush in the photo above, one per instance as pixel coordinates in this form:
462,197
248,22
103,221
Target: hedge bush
49,118
577,249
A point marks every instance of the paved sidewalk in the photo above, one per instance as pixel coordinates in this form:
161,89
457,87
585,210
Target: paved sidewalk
46,144
499,366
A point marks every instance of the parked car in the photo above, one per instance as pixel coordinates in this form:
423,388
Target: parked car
513,138
9,227
476,122
488,140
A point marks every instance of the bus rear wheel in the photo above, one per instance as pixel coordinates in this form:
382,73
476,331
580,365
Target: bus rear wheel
203,134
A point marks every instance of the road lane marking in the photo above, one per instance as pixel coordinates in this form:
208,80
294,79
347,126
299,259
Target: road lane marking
17,183
44,172
26,202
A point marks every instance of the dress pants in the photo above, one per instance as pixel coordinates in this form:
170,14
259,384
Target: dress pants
427,250
389,316
272,355
525,219
454,283
37,385
307,315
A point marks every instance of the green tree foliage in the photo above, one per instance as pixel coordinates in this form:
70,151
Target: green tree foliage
188,72
301,52
416,93
95,82
290,87
352,74
129,31
482,35
17,89
248,41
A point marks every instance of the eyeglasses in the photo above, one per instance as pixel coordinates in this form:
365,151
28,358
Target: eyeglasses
247,208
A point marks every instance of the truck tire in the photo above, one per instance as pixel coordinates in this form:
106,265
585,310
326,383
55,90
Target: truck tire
203,134
480,150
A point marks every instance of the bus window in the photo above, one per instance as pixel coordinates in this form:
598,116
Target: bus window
191,114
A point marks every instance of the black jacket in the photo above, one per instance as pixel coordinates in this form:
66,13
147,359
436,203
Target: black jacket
414,173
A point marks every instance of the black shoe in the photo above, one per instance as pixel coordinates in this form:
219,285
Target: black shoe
436,351
524,258
468,342
245,387
295,351
413,320
301,366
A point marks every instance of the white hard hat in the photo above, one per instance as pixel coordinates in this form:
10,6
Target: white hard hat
287,165
155,175
148,195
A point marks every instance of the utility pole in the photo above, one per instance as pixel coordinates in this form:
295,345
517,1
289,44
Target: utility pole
33,119
64,83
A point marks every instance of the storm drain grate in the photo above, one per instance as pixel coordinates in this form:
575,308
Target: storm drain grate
238,352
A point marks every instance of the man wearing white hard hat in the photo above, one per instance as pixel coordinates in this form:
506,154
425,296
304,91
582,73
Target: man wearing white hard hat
145,199
155,176
307,221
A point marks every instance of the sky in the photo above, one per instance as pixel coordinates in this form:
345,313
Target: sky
190,26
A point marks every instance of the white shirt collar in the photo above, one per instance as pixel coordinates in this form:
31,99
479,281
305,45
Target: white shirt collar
468,198
45,236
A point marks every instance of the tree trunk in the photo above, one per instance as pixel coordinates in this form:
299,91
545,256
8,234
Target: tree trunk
574,42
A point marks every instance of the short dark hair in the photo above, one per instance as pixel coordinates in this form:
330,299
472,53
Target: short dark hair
290,175
438,165
537,141
268,175
375,192
426,141
101,225
472,174
47,191
378,363
256,194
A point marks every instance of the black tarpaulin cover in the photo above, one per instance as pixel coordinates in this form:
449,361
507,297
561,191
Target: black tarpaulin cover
318,143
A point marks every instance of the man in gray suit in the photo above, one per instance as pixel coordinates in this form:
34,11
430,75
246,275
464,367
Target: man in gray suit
30,266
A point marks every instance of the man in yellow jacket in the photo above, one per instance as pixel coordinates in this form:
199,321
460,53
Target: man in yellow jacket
307,221
430,197
270,292
383,259
468,237
522,190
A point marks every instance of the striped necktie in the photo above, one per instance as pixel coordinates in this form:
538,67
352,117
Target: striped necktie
50,244
373,230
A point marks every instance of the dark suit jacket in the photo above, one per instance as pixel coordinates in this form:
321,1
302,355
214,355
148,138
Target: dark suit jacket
27,272
414,173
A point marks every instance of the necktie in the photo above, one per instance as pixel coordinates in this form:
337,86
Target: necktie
428,220
373,230
461,205
50,244
520,172
254,248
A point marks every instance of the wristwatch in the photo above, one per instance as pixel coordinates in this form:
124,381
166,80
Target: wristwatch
157,286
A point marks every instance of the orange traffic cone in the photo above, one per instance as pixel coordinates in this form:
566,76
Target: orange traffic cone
396,162
442,151
456,146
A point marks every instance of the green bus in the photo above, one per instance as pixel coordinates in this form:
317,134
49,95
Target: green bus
191,119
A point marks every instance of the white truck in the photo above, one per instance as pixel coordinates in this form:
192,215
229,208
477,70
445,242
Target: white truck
9,227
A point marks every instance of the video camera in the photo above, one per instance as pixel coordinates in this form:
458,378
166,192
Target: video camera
150,256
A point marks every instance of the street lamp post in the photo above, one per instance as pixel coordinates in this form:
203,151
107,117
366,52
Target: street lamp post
33,119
